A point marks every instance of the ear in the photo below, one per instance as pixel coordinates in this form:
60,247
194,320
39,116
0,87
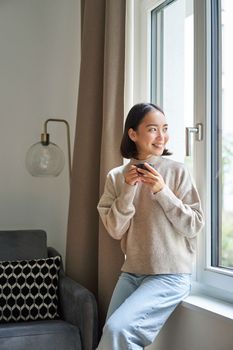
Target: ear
132,134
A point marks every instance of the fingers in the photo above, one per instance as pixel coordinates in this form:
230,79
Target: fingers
131,176
132,171
156,182
132,167
149,177
151,169
150,172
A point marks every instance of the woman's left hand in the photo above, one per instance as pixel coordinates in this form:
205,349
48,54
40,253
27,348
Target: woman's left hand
151,178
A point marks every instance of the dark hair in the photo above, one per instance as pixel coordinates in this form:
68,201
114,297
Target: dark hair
134,118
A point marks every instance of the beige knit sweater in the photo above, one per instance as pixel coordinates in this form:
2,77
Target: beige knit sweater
157,231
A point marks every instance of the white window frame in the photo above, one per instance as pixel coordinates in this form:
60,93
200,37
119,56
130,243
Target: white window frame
212,280
208,280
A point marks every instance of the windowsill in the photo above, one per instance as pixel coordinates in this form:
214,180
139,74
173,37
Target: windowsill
209,305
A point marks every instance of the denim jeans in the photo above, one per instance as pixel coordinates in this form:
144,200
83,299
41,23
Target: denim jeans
139,307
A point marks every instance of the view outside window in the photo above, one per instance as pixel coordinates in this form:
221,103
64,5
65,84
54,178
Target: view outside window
172,69
226,136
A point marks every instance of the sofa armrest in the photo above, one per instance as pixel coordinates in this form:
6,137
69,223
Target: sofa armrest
78,307
52,252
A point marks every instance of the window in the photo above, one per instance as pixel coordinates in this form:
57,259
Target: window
172,44
222,133
182,60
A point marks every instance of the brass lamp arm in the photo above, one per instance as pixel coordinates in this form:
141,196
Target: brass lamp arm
45,138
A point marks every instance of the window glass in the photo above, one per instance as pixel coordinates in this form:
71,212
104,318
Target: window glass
172,69
225,148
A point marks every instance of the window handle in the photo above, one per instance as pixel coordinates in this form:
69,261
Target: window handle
198,131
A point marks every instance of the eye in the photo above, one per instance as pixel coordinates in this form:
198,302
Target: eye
165,129
153,129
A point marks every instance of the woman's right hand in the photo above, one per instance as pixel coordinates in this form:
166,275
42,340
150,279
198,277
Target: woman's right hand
131,176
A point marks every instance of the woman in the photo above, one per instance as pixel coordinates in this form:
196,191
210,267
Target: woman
153,207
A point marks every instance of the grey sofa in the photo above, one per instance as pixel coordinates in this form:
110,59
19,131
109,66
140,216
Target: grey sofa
75,329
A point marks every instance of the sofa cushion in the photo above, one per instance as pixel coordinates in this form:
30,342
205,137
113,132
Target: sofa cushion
23,245
29,289
39,335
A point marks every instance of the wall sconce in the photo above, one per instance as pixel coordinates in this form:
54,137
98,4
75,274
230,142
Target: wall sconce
45,158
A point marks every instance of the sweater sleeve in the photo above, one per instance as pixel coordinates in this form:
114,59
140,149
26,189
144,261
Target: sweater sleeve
182,209
115,210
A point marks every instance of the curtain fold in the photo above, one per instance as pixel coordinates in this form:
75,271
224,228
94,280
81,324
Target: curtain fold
92,257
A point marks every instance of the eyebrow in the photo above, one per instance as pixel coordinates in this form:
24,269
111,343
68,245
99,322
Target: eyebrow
148,125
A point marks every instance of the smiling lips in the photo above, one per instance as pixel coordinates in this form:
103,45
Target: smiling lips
158,145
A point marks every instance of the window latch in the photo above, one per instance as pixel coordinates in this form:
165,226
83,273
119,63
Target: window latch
198,131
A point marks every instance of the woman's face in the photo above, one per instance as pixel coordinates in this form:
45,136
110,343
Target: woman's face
151,135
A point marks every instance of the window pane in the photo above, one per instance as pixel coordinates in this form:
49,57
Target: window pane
172,70
226,136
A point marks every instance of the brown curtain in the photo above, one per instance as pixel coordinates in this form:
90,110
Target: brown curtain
93,258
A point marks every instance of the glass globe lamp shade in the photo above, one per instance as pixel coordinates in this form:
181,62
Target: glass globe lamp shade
45,160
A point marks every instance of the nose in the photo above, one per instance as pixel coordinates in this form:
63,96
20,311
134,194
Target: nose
160,135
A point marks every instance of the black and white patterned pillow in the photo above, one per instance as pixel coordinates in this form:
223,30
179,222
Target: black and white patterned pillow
29,289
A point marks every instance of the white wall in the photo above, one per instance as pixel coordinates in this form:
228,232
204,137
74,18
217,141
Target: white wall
39,71
189,329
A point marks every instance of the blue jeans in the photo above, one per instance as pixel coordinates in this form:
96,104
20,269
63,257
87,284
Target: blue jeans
139,307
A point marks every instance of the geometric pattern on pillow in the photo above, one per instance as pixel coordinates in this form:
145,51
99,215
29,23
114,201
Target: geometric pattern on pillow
29,289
